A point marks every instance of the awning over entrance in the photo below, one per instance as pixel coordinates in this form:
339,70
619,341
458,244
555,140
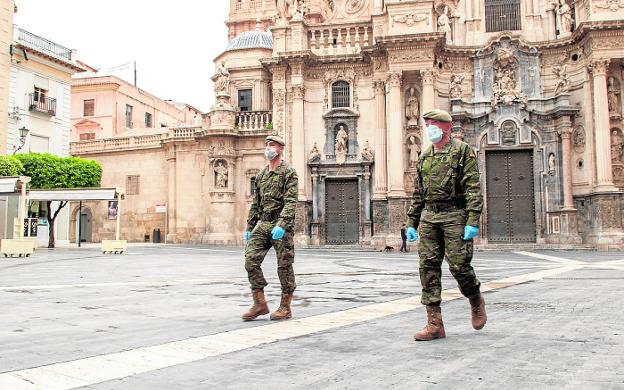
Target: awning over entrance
79,194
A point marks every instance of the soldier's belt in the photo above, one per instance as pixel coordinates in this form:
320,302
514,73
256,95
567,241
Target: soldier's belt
442,206
270,217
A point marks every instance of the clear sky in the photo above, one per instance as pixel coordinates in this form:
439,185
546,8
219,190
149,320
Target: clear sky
173,42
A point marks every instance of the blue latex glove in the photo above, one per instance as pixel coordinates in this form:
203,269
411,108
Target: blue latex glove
470,232
412,235
278,233
246,235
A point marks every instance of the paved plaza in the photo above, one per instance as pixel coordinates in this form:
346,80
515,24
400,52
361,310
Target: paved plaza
168,317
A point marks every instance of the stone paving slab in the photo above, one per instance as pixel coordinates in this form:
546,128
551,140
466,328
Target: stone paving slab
74,304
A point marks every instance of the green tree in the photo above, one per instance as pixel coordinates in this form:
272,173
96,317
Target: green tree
47,171
10,166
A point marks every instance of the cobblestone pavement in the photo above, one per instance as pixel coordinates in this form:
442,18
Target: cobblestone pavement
168,317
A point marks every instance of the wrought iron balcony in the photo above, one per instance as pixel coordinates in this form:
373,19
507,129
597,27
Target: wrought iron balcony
42,104
43,45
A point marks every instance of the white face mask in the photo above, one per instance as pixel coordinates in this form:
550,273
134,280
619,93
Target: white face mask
270,153
435,133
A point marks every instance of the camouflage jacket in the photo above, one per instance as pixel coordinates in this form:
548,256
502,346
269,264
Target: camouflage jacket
450,175
275,198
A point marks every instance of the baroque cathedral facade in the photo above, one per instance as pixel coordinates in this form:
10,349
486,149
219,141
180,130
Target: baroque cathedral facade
534,86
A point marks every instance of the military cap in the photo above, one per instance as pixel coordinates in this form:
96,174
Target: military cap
275,138
438,115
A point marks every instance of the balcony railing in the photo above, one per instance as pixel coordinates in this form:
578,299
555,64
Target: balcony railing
336,40
42,44
184,132
42,104
253,120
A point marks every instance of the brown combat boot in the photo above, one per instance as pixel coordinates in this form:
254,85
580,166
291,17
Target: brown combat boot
259,306
477,308
434,328
283,311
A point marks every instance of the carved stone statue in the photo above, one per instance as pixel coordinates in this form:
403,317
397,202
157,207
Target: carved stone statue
314,155
566,20
285,9
505,89
414,151
412,108
367,152
617,145
221,175
552,164
578,138
222,81
444,25
563,83
341,145
613,95
455,88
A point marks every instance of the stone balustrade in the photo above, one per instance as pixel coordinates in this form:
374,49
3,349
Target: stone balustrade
253,120
183,132
339,40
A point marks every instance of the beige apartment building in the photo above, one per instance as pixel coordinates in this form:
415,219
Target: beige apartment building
534,86
7,8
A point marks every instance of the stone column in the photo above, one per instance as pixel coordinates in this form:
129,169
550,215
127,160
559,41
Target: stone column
379,145
566,141
395,137
427,101
298,139
604,174
171,194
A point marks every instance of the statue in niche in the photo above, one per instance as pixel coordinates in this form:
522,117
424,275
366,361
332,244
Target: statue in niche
315,155
221,175
613,95
412,108
444,24
565,16
285,9
552,164
505,89
341,145
367,153
299,9
222,81
617,144
455,88
414,151
563,83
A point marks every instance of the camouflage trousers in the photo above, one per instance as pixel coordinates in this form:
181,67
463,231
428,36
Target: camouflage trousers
441,235
257,247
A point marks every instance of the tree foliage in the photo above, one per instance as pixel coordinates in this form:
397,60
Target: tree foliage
47,171
10,166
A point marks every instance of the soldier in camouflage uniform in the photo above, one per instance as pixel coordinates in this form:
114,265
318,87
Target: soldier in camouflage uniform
270,224
446,205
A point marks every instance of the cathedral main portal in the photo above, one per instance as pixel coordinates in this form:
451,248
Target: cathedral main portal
342,215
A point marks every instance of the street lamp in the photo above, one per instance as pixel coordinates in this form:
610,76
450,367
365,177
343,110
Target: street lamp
23,131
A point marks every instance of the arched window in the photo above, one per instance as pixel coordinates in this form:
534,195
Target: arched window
502,15
341,94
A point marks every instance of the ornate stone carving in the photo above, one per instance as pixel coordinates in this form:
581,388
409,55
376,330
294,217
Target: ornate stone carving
505,89
340,146
552,164
413,147
355,6
367,152
612,5
298,91
221,149
379,87
315,154
617,144
455,88
427,76
599,67
412,55
578,139
347,74
412,108
444,24
508,133
410,19
279,99
222,79
613,95
562,84
394,79
566,20
221,174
